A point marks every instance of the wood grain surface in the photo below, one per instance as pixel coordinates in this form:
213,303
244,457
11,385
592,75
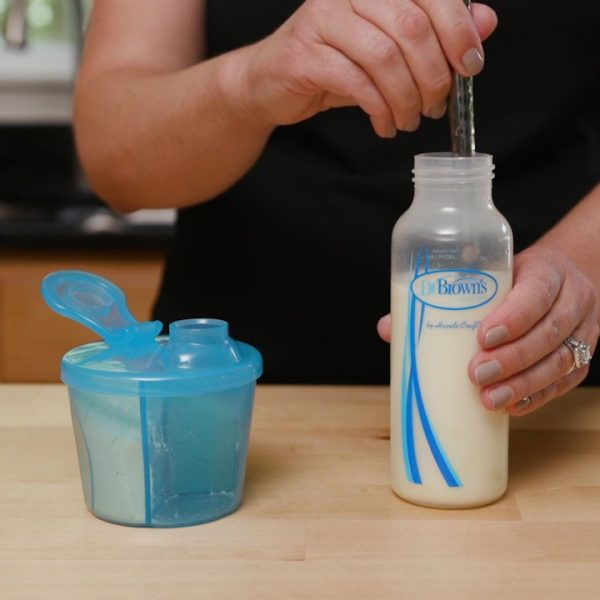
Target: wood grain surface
319,519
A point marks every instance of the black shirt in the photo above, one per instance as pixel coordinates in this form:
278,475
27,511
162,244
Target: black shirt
296,255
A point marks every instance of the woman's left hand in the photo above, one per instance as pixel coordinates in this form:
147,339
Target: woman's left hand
524,363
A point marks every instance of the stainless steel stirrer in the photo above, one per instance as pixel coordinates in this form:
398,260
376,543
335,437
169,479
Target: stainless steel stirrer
461,113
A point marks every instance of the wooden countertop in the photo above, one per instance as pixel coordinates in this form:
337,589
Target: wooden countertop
318,520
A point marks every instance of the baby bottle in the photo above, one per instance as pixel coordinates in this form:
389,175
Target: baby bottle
451,266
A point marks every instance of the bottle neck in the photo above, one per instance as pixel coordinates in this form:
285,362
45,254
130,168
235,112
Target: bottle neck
461,195
444,180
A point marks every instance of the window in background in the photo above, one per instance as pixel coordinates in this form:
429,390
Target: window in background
49,20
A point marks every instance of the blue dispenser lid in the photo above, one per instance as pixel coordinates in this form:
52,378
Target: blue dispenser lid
197,357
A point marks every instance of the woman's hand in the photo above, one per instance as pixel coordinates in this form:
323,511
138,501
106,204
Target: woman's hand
523,353
390,57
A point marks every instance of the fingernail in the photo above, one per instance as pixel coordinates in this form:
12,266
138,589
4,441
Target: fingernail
495,336
391,132
500,396
487,371
437,112
472,61
414,124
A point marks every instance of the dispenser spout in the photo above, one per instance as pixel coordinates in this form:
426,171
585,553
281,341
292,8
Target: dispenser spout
99,305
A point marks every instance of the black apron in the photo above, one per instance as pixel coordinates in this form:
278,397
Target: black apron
296,255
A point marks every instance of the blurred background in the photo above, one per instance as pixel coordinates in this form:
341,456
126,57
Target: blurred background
49,217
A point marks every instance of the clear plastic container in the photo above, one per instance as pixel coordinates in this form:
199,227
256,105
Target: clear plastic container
451,265
161,423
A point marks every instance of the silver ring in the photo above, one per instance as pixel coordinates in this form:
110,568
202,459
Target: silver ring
582,353
523,403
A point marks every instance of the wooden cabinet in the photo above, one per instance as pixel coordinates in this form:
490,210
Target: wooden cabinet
33,338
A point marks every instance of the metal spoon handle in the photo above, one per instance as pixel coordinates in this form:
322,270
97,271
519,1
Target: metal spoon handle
462,114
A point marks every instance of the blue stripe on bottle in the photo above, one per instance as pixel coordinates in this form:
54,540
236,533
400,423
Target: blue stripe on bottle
408,441
438,453
413,474
412,390
404,390
412,465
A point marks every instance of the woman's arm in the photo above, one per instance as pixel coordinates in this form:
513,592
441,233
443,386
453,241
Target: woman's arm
577,236
156,127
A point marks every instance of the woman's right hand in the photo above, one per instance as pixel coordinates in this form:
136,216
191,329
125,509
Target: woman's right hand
390,57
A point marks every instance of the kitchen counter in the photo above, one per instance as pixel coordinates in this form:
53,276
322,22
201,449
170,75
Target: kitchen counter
80,226
46,200
318,520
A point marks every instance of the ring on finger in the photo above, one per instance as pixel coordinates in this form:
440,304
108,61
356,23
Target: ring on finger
523,403
582,353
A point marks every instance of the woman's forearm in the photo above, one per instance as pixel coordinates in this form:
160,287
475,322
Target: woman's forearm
150,140
155,128
577,236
